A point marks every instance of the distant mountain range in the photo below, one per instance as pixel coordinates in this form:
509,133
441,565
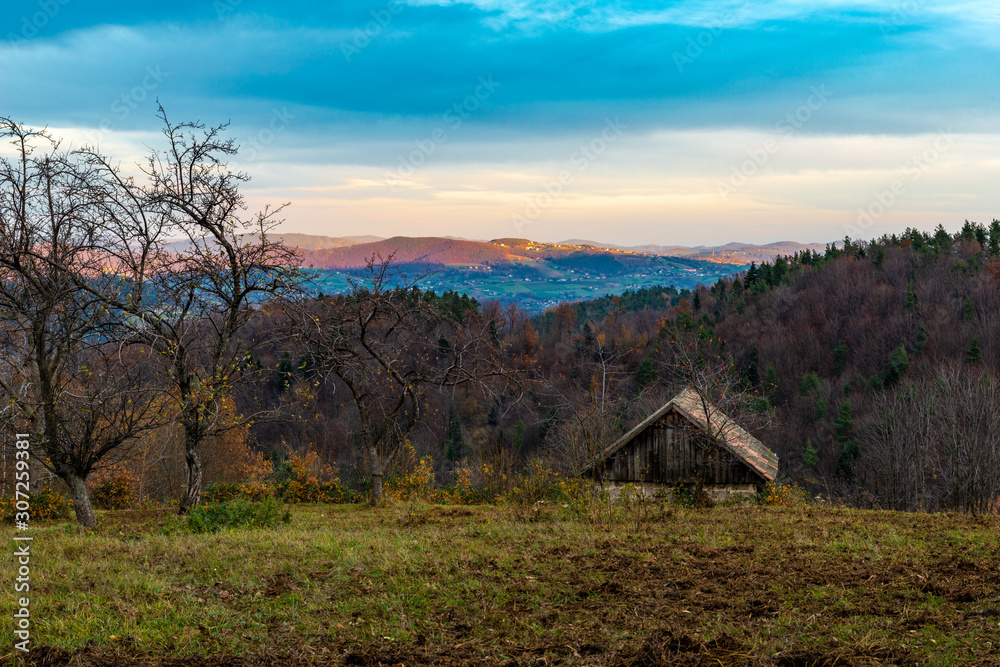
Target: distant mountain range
351,252
476,255
730,253
534,275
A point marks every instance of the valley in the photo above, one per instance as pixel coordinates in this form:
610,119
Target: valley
535,276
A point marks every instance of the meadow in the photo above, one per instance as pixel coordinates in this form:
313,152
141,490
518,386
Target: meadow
542,584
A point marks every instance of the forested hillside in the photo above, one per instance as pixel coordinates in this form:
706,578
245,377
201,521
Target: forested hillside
874,365
143,369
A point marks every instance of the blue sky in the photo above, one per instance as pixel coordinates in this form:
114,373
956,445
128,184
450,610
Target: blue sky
628,122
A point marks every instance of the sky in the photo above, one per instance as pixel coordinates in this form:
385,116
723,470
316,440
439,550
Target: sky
688,123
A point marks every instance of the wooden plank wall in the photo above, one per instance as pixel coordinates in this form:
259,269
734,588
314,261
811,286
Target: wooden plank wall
671,451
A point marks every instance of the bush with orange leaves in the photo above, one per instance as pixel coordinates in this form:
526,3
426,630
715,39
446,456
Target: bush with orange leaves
783,495
417,484
45,504
540,481
309,481
469,488
116,489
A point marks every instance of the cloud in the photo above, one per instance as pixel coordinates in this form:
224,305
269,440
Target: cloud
332,102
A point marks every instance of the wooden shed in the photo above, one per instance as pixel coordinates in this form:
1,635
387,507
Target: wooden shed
681,445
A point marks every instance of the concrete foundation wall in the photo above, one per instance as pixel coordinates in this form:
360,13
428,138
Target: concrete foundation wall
650,490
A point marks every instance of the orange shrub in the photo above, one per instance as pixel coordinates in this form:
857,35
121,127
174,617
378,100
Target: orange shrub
784,495
45,504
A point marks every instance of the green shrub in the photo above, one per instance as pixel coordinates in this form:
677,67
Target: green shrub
238,513
220,492
314,491
691,496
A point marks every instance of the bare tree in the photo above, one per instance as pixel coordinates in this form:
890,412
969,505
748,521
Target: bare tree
385,342
193,270
966,432
593,415
81,403
896,437
934,444
722,393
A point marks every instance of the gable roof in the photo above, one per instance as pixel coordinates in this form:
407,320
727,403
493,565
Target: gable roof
731,435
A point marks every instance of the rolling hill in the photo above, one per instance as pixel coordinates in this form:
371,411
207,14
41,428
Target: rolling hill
730,253
408,251
434,252
534,275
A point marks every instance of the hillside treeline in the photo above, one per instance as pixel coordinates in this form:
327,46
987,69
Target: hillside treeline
150,368
872,368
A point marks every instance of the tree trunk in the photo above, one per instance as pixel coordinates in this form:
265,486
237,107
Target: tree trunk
193,472
81,500
376,464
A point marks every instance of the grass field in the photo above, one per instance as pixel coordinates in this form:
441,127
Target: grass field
539,585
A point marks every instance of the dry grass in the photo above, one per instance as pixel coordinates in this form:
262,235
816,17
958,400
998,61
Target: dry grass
420,584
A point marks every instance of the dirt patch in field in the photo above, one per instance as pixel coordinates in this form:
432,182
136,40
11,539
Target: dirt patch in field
100,657
279,584
664,648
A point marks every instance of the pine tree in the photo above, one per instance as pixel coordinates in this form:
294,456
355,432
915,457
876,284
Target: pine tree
810,383
647,371
779,271
453,448
840,355
898,363
968,310
921,338
981,235
995,237
974,353
942,239
494,333
910,299
810,457
879,256
850,450
765,275
771,384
